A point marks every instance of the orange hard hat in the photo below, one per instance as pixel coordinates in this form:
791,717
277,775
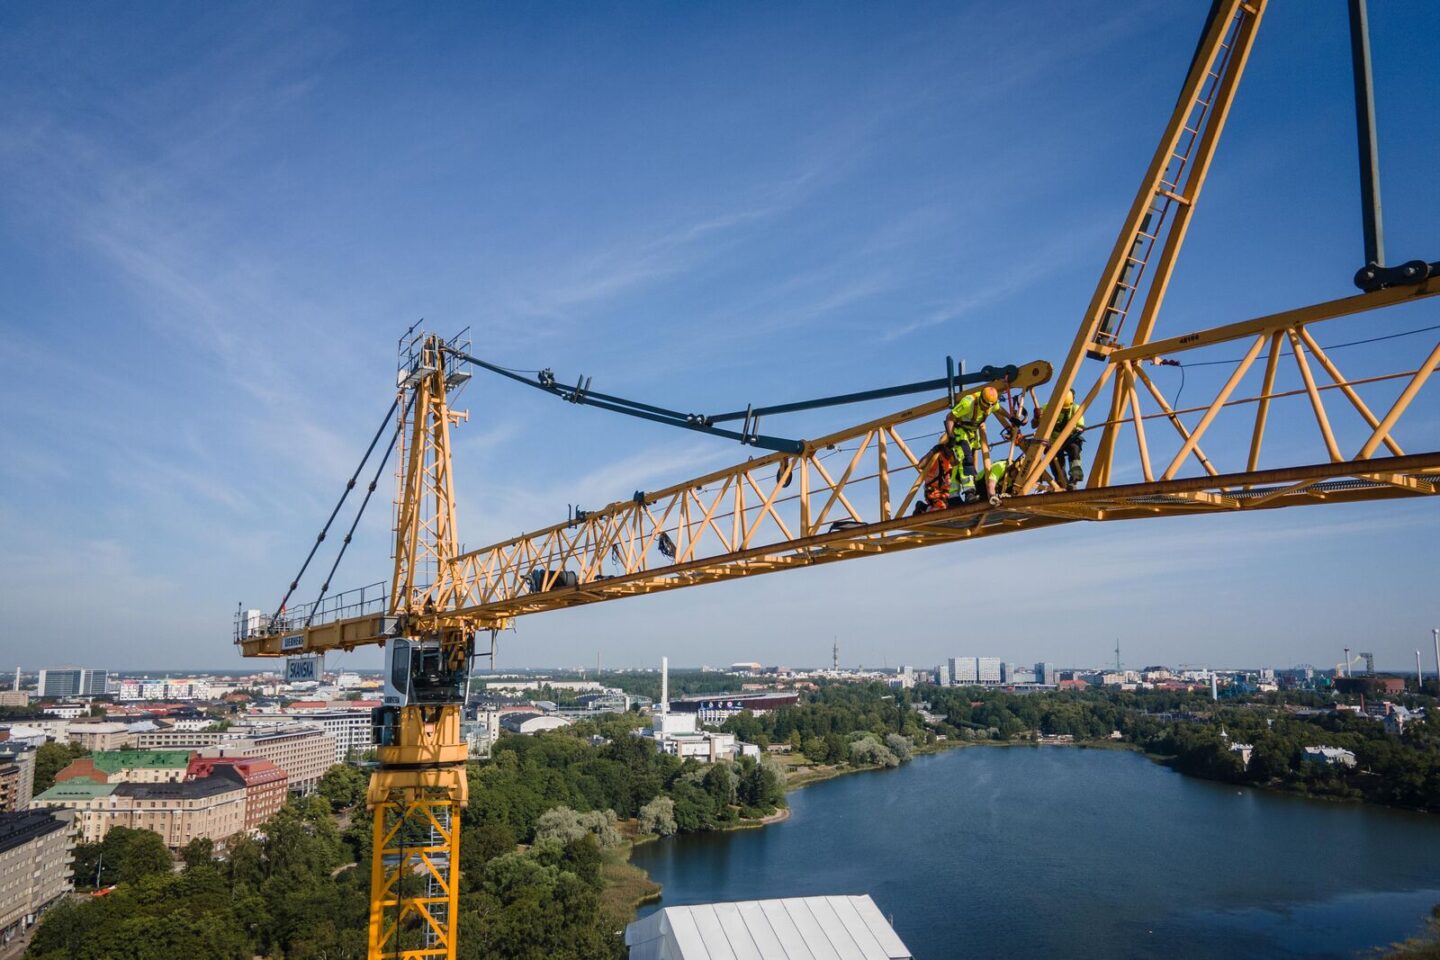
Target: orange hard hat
990,396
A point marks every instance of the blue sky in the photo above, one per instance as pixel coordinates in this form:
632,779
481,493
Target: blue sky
215,221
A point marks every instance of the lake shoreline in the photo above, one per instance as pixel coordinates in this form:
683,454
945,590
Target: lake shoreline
809,775
907,840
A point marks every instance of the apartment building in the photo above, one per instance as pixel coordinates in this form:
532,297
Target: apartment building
303,750
128,766
17,776
266,785
34,867
177,738
179,812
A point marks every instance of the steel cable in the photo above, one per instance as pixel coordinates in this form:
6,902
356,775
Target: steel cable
345,544
350,485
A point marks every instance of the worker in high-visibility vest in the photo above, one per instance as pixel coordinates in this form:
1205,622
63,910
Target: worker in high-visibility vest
1067,459
964,426
1003,475
939,479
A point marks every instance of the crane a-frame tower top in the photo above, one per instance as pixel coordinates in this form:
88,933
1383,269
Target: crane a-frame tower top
851,493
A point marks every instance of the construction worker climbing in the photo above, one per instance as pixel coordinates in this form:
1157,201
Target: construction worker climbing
1067,459
939,476
964,428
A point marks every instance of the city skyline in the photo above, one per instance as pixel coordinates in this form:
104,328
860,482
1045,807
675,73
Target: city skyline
216,240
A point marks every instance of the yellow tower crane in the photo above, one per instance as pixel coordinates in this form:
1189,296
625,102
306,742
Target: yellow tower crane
854,492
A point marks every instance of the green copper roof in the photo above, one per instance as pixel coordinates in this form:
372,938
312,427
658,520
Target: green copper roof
113,761
76,790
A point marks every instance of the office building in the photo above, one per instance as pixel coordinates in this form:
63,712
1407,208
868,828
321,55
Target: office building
962,672
943,675
717,708
988,671
35,859
353,730
71,682
1046,673
302,751
101,736
17,776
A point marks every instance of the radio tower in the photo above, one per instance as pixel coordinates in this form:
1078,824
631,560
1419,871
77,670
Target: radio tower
835,656
1117,655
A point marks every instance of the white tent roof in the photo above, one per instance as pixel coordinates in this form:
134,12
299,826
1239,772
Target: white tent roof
798,928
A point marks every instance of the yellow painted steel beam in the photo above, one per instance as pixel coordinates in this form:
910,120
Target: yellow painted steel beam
1279,322
1343,482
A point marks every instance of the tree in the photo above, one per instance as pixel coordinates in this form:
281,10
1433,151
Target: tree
343,786
200,851
720,783
144,855
485,842
869,750
658,817
124,855
51,758
564,825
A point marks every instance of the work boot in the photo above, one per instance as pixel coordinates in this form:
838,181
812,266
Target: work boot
1077,473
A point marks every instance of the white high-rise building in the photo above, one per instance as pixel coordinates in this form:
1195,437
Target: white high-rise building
988,671
71,682
963,672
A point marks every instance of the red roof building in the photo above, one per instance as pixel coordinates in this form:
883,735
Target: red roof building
266,785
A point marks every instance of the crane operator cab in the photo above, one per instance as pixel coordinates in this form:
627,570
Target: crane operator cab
416,674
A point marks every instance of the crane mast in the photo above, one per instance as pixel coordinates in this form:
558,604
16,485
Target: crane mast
419,789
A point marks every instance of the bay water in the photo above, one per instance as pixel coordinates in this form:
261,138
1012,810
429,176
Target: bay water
1070,852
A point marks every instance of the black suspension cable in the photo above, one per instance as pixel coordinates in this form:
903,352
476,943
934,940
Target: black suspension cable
345,544
350,485
1331,346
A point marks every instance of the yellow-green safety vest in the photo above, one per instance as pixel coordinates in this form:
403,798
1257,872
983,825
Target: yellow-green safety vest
1066,412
